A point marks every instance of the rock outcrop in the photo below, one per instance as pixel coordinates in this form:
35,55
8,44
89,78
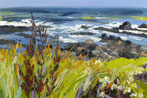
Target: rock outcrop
84,27
125,26
143,25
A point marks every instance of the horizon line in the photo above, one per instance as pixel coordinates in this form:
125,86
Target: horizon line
68,7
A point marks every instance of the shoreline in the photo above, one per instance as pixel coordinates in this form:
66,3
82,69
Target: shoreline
111,46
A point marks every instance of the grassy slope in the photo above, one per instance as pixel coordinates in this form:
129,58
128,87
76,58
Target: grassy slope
71,75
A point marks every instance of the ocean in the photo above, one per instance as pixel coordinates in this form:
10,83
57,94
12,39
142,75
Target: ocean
67,23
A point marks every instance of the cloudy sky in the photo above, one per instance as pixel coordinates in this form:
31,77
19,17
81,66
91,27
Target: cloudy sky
73,3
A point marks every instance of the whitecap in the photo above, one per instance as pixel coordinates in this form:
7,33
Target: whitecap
24,23
78,38
100,17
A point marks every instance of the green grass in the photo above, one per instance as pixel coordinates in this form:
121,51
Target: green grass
65,81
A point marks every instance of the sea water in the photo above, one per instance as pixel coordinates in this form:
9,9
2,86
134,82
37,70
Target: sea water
64,22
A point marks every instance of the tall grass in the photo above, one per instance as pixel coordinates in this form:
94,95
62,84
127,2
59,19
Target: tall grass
40,72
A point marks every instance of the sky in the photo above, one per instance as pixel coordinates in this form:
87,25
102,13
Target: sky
73,3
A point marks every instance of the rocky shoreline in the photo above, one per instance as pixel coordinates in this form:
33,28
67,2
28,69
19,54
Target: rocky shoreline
117,30
13,29
114,47
125,28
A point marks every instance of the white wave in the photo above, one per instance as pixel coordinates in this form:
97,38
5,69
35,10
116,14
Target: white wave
135,39
70,17
24,23
113,24
64,30
117,24
124,37
101,17
135,26
133,31
78,38
142,29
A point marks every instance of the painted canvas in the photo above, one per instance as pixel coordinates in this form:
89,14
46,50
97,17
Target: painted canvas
73,48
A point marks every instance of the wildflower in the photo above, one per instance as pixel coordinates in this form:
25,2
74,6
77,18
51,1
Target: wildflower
102,94
140,95
134,85
98,61
120,88
131,79
128,82
106,79
101,80
133,95
114,86
139,71
118,81
131,73
128,89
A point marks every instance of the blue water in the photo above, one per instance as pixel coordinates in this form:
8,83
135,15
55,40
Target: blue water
65,21
60,15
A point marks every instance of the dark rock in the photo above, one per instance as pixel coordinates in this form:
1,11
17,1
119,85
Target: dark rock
118,39
125,26
112,37
143,25
127,54
83,33
116,30
84,52
107,29
104,36
90,46
12,29
128,42
84,27
90,54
